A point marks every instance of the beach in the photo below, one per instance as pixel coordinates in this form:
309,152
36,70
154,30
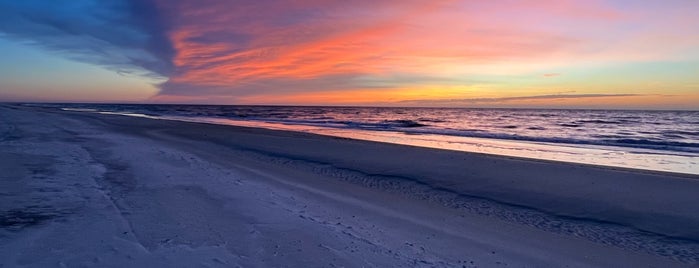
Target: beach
88,189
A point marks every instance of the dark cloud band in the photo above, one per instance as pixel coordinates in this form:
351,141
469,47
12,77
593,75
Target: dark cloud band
520,98
125,36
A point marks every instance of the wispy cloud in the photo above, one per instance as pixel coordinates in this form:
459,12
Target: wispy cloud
251,47
125,36
515,99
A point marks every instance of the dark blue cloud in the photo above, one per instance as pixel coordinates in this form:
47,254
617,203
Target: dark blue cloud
127,36
519,98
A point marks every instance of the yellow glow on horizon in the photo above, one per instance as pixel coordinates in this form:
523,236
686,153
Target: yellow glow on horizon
473,97
365,96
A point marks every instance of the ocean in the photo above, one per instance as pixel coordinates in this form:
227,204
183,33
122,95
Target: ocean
651,140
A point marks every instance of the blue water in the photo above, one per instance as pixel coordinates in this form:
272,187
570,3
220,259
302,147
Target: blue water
665,130
621,133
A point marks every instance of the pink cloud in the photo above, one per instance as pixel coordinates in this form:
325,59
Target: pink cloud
254,47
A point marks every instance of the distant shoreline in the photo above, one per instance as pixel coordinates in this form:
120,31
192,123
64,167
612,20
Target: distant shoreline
353,106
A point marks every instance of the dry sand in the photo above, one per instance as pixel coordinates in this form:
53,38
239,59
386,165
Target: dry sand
83,189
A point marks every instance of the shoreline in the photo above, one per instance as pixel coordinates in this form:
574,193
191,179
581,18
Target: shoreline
612,167
602,166
575,203
656,159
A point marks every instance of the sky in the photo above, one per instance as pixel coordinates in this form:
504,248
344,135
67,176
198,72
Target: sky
618,54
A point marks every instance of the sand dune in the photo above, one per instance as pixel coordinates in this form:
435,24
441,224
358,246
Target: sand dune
104,190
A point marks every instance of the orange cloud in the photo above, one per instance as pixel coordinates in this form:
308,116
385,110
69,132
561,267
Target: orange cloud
348,49
413,37
341,52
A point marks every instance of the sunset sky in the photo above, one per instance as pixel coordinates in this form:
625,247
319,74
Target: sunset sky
508,53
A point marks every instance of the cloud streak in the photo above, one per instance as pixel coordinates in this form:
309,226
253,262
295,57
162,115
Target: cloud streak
516,99
125,36
252,47
305,45
259,47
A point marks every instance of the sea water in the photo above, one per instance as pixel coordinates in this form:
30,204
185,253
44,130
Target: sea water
651,140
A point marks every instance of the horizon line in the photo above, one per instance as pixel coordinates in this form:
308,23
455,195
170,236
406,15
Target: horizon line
357,106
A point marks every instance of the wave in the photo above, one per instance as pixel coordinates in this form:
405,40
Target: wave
601,128
432,120
603,122
570,125
653,143
682,133
415,128
406,123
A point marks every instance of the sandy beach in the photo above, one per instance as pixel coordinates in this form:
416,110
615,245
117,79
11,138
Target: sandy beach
84,189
